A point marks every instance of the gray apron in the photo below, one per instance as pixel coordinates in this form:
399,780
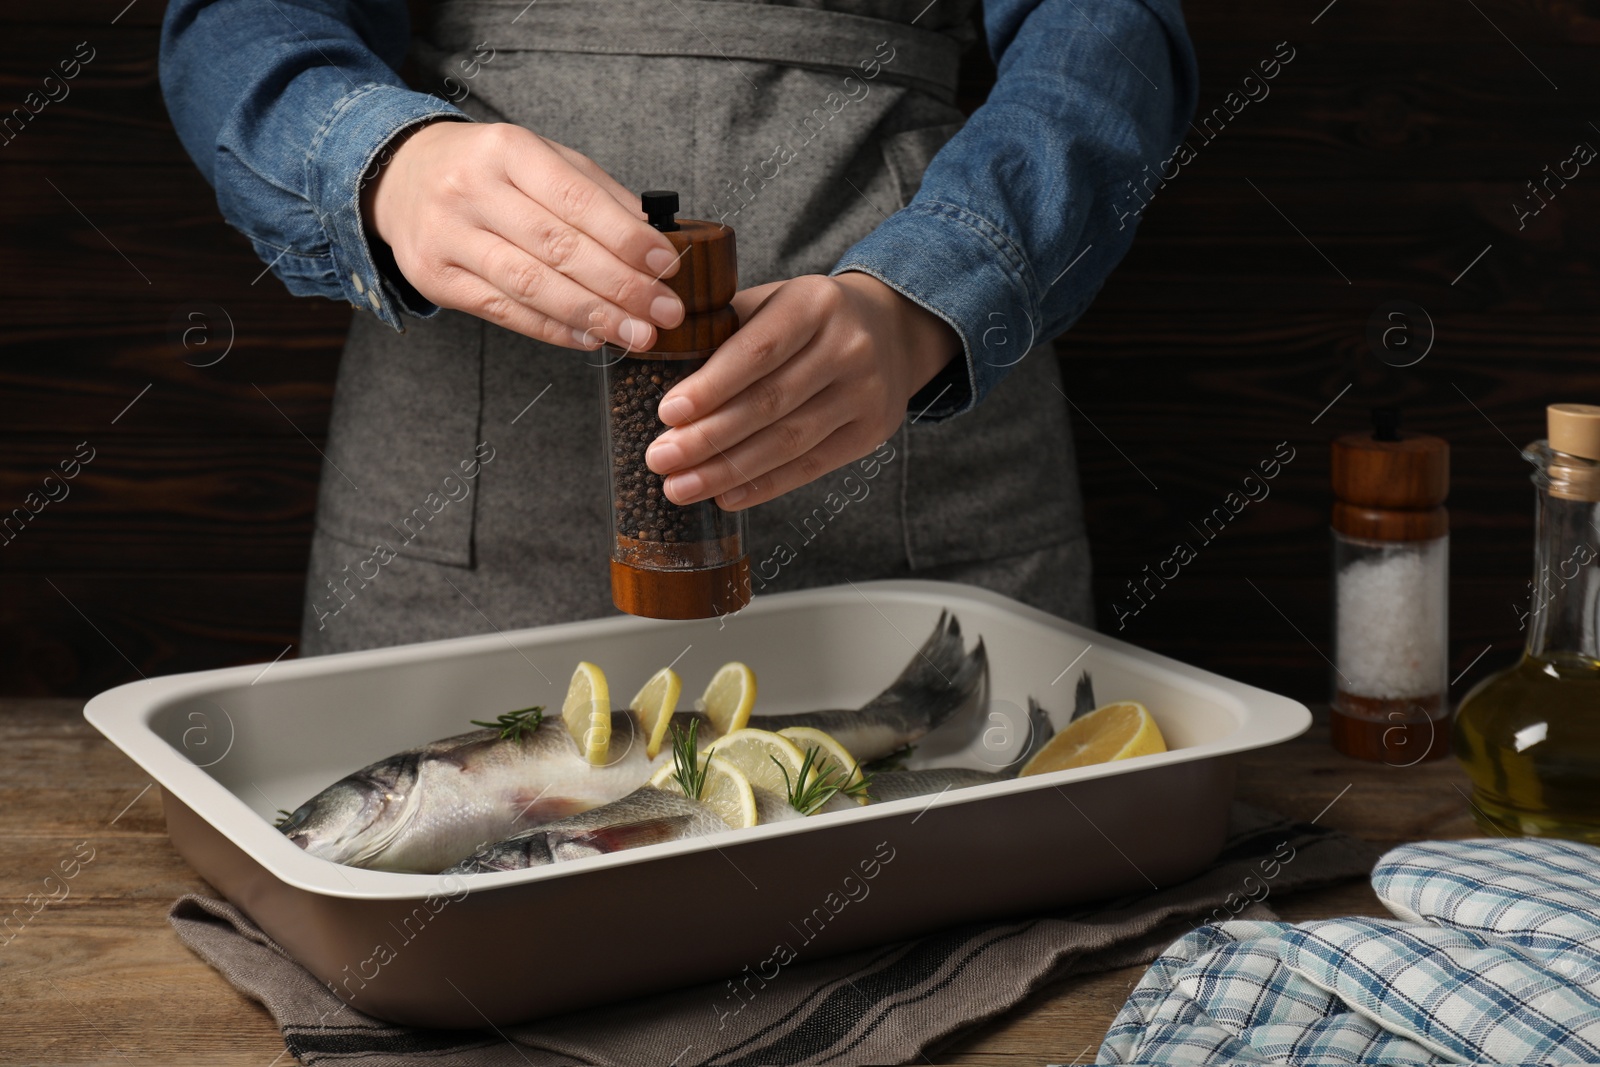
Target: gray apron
465,482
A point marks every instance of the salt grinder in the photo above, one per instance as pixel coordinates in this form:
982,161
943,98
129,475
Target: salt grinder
667,561
1391,565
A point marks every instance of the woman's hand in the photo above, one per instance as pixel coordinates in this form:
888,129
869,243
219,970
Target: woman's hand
817,375
494,220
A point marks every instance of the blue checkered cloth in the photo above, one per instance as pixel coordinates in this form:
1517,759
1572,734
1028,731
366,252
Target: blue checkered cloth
1493,957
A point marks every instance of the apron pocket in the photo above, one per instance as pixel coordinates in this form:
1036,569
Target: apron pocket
403,447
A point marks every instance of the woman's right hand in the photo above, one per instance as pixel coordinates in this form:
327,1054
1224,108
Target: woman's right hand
496,221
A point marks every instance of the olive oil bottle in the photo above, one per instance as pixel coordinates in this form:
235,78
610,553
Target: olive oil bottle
1529,736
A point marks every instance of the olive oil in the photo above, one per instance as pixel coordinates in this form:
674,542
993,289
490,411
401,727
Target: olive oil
1529,737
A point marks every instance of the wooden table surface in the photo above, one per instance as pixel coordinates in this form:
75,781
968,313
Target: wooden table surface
99,977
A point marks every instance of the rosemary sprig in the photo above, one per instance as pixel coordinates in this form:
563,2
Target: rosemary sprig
514,724
687,769
811,789
283,817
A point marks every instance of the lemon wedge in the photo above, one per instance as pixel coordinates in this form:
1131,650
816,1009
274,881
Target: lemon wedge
1117,731
830,755
653,704
587,712
728,699
725,790
753,752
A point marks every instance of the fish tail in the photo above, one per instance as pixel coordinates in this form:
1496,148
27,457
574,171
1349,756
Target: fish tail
1083,698
943,678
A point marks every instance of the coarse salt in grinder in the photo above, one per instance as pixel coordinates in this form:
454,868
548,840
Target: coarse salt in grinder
670,561
1391,565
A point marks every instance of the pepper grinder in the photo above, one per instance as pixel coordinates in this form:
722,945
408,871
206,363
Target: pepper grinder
1391,565
669,561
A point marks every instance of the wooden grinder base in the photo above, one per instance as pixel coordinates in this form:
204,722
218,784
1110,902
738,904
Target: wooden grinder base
672,594
1397,732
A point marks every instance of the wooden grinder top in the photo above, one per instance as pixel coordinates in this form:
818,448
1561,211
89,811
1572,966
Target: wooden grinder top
707,278
1390,485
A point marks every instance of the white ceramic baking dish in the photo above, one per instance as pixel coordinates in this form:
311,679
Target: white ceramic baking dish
229,747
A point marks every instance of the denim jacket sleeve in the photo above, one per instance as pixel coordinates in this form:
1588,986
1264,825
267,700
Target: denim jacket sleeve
1023,214
285,105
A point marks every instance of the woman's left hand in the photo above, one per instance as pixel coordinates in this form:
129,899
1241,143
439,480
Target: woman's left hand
817,375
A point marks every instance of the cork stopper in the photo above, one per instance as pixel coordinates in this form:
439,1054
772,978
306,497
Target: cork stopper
1574,429
707,277
1390,485
1570,469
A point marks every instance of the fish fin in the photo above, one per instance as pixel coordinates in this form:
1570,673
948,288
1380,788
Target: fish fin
1040,730
621,836
889,763
529,849
1083,699
536,809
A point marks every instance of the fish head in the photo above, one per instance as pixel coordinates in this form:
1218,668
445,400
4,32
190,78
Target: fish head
356,817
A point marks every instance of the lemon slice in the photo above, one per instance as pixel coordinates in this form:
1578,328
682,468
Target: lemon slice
830,754
726,790
653,705
753,753
587,712
728,699
1117,731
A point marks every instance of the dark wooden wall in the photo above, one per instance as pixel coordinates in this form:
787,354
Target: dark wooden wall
1396,141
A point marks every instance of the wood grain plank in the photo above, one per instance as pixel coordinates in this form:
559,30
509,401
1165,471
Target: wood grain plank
82,633
167,505
1527,22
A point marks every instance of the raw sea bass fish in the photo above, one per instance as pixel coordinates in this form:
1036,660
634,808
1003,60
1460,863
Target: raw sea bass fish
422,809
425,808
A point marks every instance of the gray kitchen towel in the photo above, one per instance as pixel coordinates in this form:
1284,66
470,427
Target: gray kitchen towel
880,1005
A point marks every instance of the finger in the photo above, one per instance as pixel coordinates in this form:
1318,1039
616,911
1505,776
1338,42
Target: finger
597,174
474,294
580,257
748,301
546,177
845,445
762,406
778,445
524,279
785,323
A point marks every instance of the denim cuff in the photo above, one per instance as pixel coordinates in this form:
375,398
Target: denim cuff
350,146
965,270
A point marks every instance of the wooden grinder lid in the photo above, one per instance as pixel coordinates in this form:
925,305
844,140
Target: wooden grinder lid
1390,485
707,277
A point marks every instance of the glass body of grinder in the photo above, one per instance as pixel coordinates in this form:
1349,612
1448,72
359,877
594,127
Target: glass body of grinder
670,561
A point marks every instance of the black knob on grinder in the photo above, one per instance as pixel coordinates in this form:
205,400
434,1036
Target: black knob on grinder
661,205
